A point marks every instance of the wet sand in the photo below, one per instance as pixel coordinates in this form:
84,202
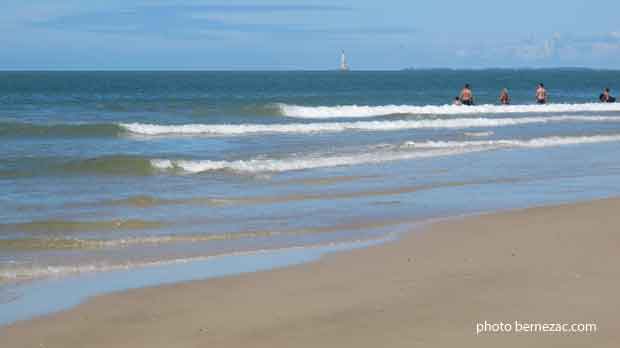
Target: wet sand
429,289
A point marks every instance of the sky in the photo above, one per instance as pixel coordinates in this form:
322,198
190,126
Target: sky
307,35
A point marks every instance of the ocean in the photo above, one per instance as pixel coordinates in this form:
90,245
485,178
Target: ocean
154,177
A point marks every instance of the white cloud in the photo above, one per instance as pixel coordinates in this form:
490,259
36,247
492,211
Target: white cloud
605,49
564,49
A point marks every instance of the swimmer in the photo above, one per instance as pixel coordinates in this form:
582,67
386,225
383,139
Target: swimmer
466,97
606,97
504,97
541,94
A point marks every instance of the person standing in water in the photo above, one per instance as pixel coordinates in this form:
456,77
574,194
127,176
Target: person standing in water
606,97
541,94
457,101
504,98
466,97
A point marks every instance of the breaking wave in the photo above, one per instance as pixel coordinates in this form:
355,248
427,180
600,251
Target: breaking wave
290,164
384,154
121,165
346,111
531,143
242,129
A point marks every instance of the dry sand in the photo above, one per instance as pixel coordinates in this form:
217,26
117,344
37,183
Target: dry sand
554,264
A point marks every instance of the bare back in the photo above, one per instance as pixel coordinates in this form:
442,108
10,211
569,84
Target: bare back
466,94
541,94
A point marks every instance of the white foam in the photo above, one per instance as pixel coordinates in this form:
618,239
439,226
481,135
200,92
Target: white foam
305,128
297,163
35,271
478,134
529,143
345,111
63,270
381,153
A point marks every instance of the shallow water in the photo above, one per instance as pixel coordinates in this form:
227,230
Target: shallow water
122,171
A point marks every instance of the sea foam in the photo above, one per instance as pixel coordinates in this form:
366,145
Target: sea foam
326,127
530,143
297,163
380,154
39,271
356,111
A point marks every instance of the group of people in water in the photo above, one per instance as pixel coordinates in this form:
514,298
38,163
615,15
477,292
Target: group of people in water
466,97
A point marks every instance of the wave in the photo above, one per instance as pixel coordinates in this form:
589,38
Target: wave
67,226
530,143
146,201
17,129
104,165
261,165
242,129
386,153
120,165
34,271
356,111
76,243
110,165
41,243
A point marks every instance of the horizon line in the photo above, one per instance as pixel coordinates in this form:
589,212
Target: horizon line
307,70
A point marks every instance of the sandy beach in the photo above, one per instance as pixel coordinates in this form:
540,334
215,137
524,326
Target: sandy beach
429,289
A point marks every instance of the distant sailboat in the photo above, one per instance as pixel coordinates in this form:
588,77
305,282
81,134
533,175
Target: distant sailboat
343,62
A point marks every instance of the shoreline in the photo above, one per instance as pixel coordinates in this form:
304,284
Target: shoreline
193,269
430,287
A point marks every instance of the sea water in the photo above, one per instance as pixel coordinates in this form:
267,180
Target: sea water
108,172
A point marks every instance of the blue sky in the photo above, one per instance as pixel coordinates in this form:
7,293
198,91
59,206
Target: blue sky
283,35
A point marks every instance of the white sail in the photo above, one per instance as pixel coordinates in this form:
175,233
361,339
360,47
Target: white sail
343,62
